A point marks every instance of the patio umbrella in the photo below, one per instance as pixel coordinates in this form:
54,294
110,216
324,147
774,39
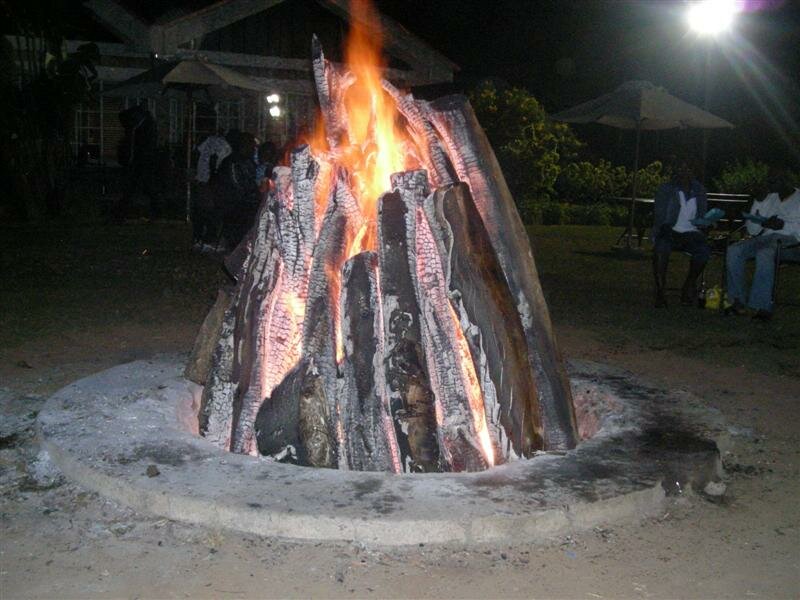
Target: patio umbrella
641,106
184,77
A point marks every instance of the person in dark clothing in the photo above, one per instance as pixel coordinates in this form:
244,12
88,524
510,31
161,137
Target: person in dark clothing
236,190
138,153
678,203
267,157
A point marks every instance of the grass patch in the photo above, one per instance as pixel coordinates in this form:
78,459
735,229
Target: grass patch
59,278
589,286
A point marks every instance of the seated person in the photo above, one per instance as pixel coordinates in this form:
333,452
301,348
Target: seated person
782,209
677,203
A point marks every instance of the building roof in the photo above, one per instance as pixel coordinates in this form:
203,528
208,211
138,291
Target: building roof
166,28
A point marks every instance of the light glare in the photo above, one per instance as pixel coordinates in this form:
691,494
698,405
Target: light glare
273,99
275,111
712,17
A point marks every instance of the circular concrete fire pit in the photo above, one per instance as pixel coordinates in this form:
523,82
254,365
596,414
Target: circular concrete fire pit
126,433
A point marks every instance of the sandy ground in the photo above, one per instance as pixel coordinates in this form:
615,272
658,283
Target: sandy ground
59,541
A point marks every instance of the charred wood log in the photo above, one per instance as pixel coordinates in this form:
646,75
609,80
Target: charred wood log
216,405
434,157
199,365
490,322
368,428
321,337
475,163
231,364
292,424
411,400
281,309
250,334
332,86
463,434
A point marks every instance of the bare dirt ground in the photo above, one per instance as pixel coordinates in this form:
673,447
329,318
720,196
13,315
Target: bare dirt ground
59,541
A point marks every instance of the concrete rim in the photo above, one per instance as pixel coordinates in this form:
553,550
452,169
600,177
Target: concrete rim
104,431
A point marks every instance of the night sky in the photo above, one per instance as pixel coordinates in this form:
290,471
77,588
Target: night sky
566,52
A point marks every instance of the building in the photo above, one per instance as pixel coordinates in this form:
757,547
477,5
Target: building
269,40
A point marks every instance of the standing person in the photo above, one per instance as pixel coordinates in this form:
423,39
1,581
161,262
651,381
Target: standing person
781,207
677,203
236,191
212,152
264,165
137,152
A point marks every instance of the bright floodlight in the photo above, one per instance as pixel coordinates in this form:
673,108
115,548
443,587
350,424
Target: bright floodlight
275,111
711,17
273,99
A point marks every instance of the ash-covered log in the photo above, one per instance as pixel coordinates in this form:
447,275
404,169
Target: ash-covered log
321,335
476,164
292,424
491,325
408,388
464,440
369,432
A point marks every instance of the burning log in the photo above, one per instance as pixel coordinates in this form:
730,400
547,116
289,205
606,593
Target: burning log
407,384
233,357
367,423
199,365
476,164
332,86
293,422
408,388
216,404
321,338
270,302
434,158
491,325
463,435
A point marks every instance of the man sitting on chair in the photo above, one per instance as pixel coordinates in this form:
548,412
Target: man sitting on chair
781,207
677,203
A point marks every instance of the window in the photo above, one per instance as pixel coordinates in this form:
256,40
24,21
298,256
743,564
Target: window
176,119
230,114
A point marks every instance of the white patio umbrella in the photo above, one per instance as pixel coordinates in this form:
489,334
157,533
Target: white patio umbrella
641,106
184,77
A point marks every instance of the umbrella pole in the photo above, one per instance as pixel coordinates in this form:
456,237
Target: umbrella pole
189,157
635,185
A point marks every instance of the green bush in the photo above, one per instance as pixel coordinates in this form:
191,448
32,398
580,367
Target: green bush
587,182
748,177
531,149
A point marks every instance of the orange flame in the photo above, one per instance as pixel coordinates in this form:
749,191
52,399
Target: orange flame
378,146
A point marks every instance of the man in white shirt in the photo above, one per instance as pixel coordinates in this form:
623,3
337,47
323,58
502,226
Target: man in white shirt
782,226
213,151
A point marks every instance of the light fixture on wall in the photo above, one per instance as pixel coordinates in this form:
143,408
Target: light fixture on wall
274,108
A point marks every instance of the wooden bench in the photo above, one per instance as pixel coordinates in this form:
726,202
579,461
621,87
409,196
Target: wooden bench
732,204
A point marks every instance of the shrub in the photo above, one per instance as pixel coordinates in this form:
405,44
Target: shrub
530,148
748,177
587,182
